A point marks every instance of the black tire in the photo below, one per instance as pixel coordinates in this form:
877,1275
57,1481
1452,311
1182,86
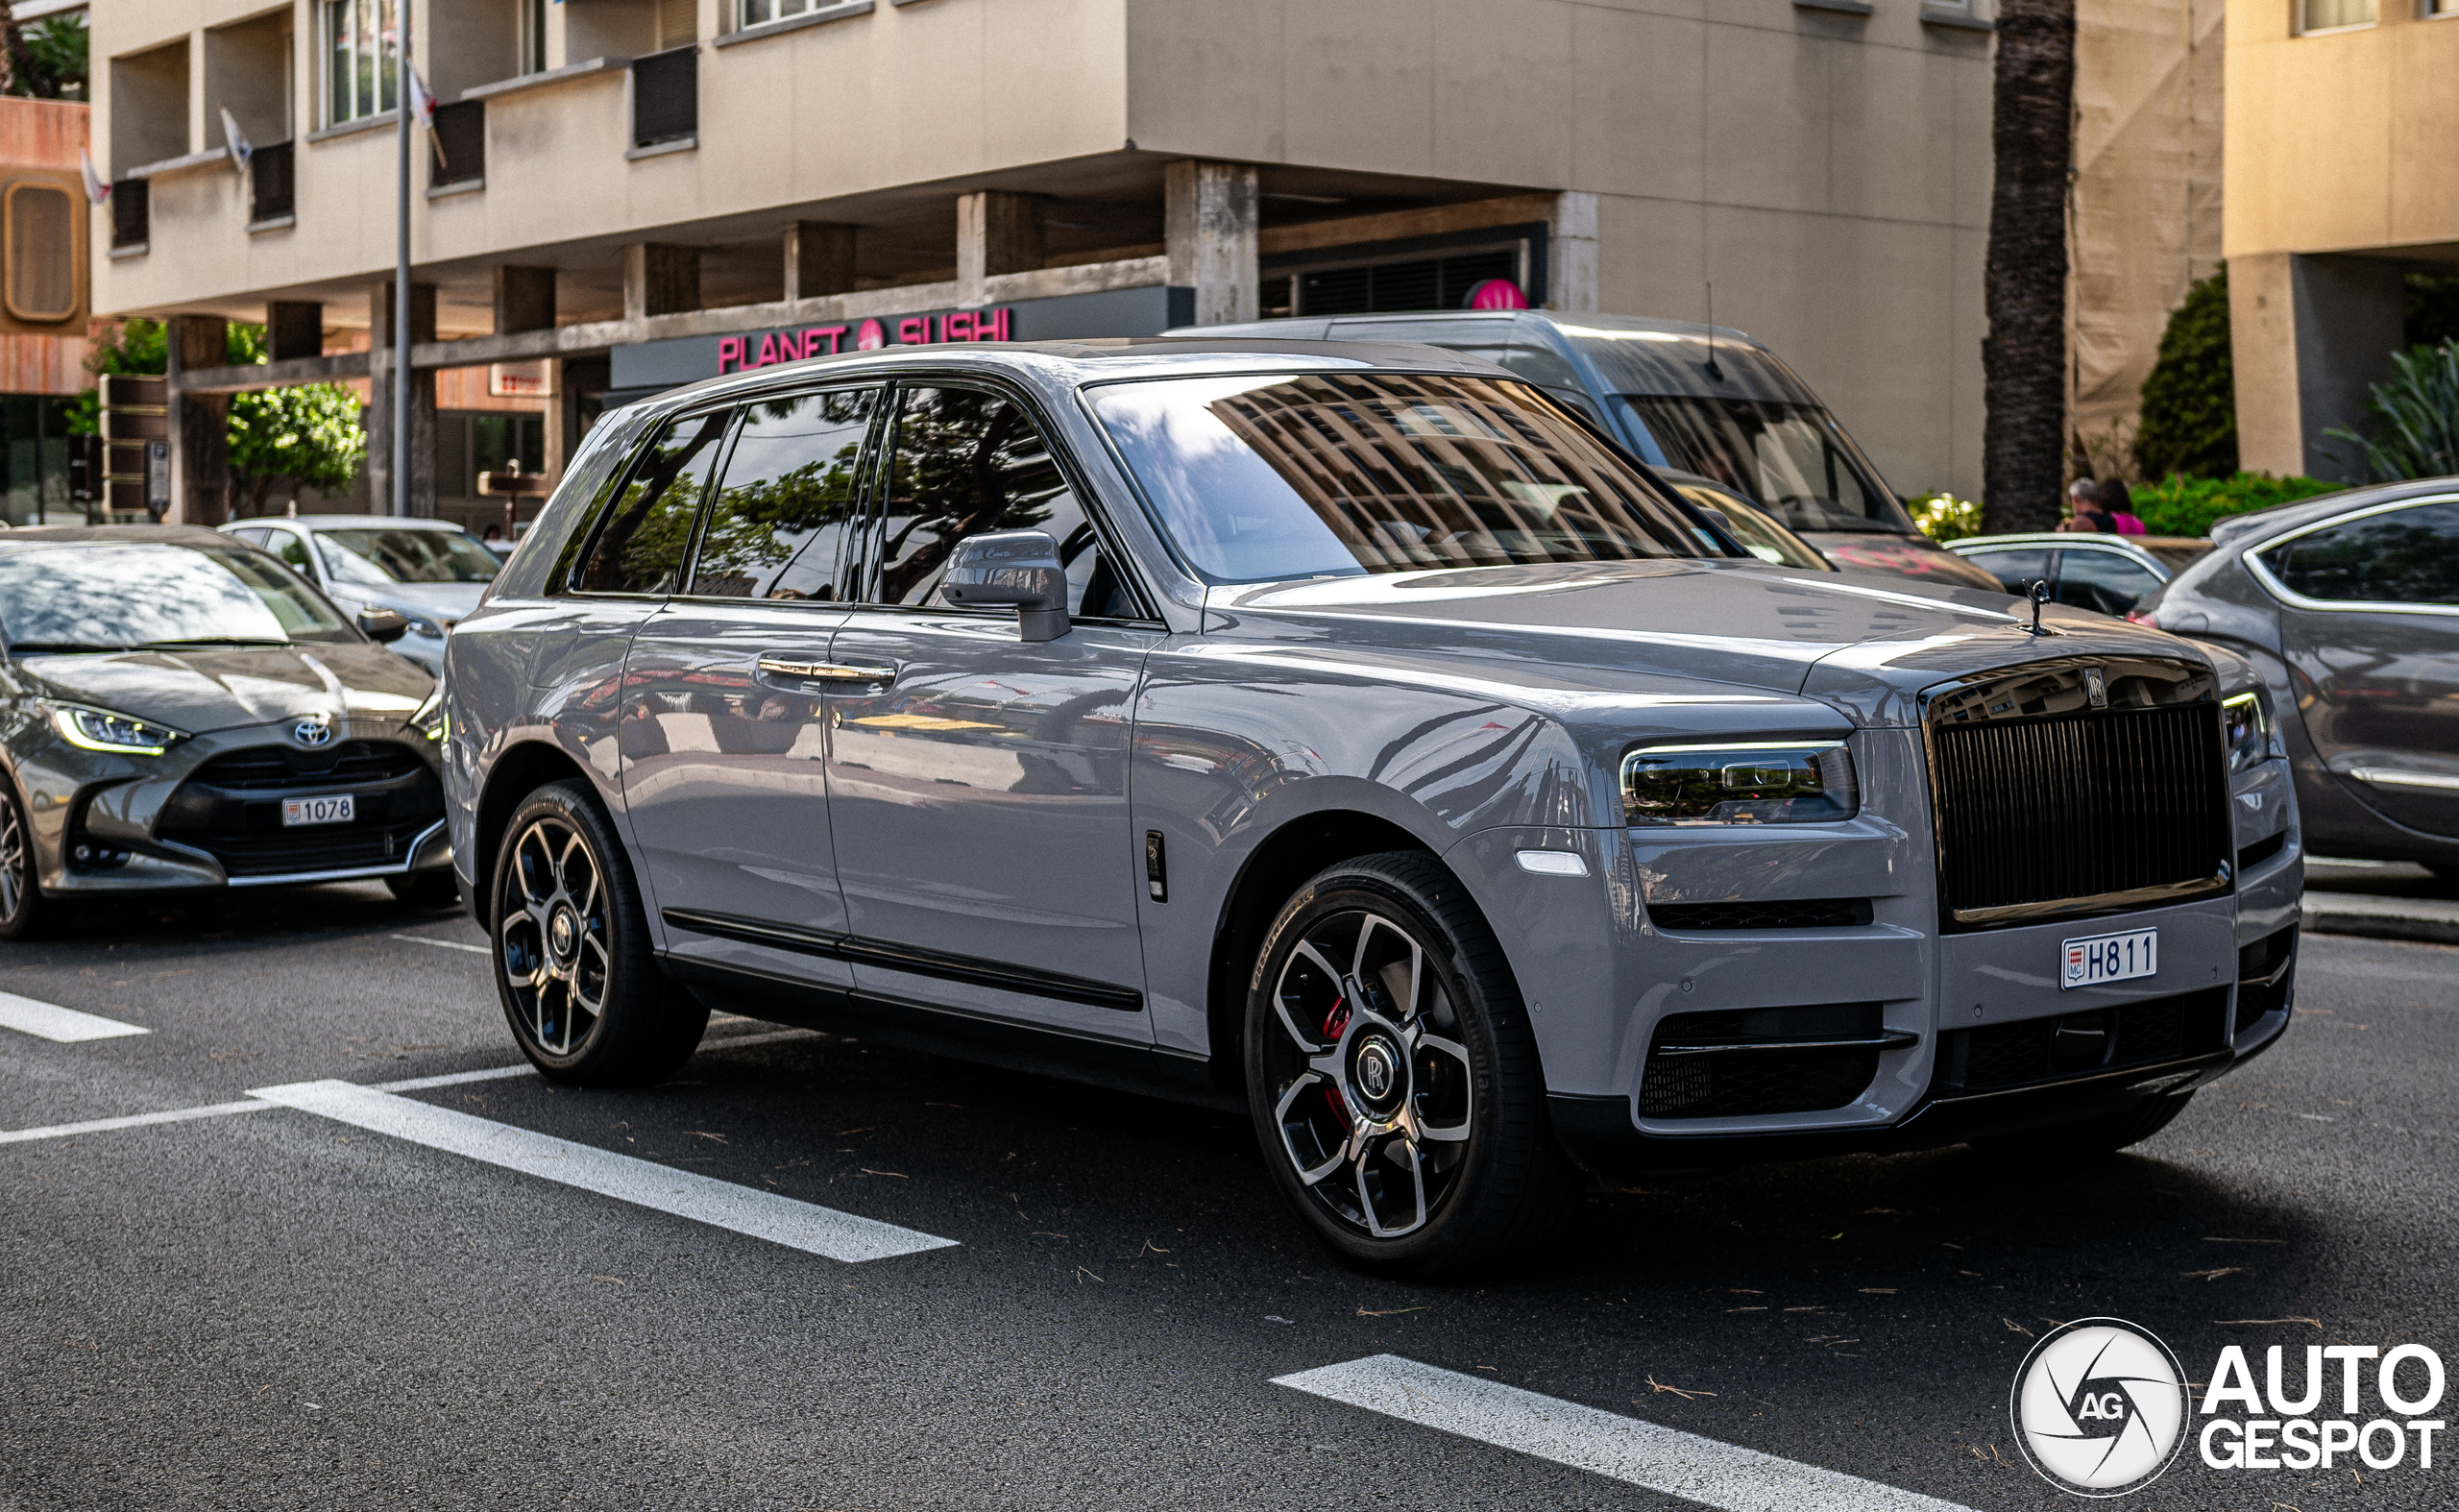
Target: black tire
433,889
26,911
2444,870
580,987
2105,1134
1352,1098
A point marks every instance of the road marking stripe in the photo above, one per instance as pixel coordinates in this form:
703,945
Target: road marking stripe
493,1073
765,1215
65,1024
446,944
132,1121
1701,1470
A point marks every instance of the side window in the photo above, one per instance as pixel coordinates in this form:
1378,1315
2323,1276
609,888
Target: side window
2102,580
2406,556
640,543
252,537
777,524
963,461
287,545
2018,571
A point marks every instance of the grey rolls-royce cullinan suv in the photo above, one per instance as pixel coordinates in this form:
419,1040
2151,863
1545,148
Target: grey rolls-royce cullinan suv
1350,735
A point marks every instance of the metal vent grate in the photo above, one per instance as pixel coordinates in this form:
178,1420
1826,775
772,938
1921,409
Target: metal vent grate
2068,815
1766,914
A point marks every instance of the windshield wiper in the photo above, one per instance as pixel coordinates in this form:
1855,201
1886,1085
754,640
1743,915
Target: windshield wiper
41,647
207,640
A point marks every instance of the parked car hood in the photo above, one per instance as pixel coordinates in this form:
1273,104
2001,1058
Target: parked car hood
1863,645
217,688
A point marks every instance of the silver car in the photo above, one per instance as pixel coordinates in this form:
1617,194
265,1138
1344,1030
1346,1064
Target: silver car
1346,735
430,572
2107,573
181,713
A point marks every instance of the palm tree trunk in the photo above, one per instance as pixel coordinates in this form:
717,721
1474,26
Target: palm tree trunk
2024,358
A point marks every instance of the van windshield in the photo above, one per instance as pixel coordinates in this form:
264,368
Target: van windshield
1261,478
1788,458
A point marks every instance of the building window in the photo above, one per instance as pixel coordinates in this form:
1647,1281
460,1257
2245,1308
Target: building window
755,12
362,72
2330,15
41,232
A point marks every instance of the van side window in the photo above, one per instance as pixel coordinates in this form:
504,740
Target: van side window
778,520
640,544
965,462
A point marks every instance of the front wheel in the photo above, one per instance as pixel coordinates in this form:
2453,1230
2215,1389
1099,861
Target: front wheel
25,912
1393,1077
580,985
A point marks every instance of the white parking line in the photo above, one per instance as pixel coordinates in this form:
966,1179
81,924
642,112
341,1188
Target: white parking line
446,944
64,1025
765,1215
1701,1470
176,1116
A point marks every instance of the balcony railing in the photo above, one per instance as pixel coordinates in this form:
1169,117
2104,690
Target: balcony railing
272,183
131,213
666,96
460,140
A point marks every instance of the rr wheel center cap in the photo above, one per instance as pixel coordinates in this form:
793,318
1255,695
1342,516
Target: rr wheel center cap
1379,1072
563,933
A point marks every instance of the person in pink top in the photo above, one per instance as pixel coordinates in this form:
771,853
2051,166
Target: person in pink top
2119,505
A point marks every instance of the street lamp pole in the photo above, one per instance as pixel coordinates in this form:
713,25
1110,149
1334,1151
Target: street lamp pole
399,368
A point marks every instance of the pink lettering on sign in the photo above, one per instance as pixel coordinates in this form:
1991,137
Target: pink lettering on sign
729,353
870,338
959,326
915,330
810,339
768,351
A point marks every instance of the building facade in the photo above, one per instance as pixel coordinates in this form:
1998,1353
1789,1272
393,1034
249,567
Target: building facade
621,194
2340,181
43,303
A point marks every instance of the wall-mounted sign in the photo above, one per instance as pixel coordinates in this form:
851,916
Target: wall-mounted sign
647,367
521,379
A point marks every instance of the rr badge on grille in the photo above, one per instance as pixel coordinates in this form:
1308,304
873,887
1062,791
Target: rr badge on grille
2096,687
313,729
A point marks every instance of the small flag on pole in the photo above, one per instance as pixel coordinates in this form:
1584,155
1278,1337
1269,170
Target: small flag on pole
241,149
96,190
421,103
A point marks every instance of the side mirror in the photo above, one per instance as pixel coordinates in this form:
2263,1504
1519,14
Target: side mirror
1011,567
382,625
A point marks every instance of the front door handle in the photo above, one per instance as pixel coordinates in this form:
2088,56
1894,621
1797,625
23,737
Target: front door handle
825,671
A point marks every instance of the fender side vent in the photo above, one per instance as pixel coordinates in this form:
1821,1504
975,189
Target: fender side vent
1767,913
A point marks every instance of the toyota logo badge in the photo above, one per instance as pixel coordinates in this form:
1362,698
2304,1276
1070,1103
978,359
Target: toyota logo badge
315,729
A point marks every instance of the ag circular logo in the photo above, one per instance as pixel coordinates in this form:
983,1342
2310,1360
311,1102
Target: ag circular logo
2100,1407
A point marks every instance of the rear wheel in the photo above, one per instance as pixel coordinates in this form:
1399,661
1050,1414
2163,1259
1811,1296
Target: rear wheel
580,985
25,912
1392,1078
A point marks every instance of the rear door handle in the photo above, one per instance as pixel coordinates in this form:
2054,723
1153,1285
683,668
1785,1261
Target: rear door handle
824,672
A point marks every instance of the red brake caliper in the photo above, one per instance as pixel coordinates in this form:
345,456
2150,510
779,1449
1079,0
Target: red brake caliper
1333,1023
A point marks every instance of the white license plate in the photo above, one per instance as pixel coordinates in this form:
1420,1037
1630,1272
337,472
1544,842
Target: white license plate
2109,958
340,808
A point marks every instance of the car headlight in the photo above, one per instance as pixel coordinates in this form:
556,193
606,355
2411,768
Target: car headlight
428,719
1778,782
101,730
2246,725
422,626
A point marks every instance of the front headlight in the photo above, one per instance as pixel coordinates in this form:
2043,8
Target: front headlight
2247,727
101,730
422,626
429,718
1741,783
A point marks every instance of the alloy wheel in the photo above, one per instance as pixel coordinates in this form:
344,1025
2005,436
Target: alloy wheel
1371,1083
15,858
553,943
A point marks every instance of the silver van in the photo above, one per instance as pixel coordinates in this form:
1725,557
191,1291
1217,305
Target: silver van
1343,735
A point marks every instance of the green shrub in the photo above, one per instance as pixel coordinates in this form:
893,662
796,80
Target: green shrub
1944,517
2190,400
2181,505
2416,417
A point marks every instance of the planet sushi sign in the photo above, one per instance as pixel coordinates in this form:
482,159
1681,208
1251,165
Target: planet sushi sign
760,349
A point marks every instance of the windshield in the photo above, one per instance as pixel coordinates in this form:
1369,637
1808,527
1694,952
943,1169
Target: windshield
375,557
1788,458
1308,475
88,597
1760,536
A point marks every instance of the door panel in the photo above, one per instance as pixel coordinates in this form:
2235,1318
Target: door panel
724,727
2371,634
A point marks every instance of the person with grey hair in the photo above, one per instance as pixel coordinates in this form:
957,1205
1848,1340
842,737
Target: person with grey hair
2083,498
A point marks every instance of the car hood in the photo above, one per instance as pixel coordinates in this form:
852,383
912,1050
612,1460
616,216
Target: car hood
218,689
1913,556
1865,646
430,600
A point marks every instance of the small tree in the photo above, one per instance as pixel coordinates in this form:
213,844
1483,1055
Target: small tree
2189,423
308,434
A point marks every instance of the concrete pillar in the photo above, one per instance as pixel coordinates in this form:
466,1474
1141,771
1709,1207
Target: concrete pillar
2309,336
819,259
1209,220
200,424
293,328
996,232
660,279
381,374
1570,253
524,300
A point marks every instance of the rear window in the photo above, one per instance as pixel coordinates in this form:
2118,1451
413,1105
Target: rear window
1261,478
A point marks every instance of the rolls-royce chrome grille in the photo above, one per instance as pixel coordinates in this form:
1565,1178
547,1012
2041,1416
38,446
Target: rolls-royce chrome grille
2094,795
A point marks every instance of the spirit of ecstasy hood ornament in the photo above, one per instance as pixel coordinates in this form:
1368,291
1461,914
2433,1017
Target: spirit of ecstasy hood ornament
2040,596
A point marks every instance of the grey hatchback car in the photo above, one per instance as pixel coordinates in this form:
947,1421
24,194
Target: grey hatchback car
1348,736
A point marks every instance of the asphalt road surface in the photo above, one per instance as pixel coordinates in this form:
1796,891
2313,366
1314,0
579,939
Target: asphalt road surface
332,1297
